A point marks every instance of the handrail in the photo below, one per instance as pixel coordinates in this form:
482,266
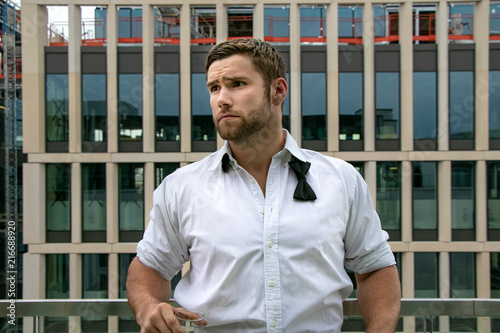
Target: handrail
470,307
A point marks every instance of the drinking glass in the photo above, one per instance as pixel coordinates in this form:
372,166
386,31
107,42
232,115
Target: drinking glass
190,320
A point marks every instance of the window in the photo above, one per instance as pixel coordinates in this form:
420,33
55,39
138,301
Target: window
56,107
463,285
313,106
94,109
276,23
286,107
203,124
167,107
495,275
313,23
493,201
426,275
389,197
203,25
127,323
162,170
350,106
494,102
350,22
387,105
130,107
58,202
57,276
94,285
463,201
94,202
462,105
424,105
425,201
360,167
131,192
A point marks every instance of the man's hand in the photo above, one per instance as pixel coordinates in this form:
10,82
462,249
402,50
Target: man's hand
161,318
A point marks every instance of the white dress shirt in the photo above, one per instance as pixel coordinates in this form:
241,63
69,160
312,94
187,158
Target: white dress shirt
264,263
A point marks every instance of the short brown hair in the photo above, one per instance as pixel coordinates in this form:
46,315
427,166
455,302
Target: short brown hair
264,57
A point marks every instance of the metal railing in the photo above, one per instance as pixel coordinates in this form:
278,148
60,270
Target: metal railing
119,307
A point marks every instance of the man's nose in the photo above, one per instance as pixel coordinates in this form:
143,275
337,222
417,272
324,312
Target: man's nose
224,98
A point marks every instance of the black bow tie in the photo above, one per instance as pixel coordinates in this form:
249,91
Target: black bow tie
303,191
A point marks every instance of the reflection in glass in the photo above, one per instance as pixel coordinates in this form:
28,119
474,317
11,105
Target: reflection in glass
426,275
94,285
313,106
94,196
350,106
463,274
56,107
350,21
131,196
389,194
203,124
167,107
462,195
387,105
94,108
313,21
130,106
276,22
57,276
58,191
162,170
493,195
425,202
494,103
462,105
424,105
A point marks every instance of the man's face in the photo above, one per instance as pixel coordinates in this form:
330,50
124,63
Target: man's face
240,103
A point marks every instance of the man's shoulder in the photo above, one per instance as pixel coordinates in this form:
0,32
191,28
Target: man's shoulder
196,169
325,161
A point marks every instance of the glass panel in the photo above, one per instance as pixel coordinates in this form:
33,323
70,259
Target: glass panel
426,275
425,202
57,276
94,196
167,24
130,23
203,25
58,197
313,22
313,106
94,110
461,19
130,106
131,196
350,21
389,194
276,23
494,100
350,106
240,21
493,195
463,274
494,17
462,195
56,107
95,275
461,105
203,124
495,275
424,105
167,101
162,170
124,261
387,105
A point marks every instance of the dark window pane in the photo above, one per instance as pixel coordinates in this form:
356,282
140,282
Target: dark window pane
131,197
493,195
461,105
167,107
130,106
426,275
494,103
360,167
286,106
56,107
95,275
94,196
313,106
350,106
57,276
124,261
389,194
350,21
162,170
313,21
203,124
425,202
387,105
462,195
424,105
94,109
58,188
495,275
276,21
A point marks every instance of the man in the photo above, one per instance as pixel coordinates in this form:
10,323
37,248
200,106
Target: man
267,226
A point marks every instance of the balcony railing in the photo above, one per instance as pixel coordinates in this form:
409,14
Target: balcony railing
420,308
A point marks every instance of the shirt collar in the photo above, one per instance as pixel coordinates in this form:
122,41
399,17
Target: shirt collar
225,159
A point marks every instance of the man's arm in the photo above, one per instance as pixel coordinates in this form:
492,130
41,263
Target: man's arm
148,295
379,297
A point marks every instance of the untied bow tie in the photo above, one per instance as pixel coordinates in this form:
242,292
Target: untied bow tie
303,191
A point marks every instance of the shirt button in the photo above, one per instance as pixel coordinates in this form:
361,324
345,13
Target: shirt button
270,244
262,211
274,323
252,181
272,284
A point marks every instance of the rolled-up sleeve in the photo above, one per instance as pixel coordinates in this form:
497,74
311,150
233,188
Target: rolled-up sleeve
366,246
162,248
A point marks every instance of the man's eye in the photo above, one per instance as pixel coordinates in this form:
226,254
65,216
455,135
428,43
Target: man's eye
214,88
238,84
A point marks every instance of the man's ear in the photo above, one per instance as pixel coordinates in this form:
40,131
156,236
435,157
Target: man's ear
279,89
